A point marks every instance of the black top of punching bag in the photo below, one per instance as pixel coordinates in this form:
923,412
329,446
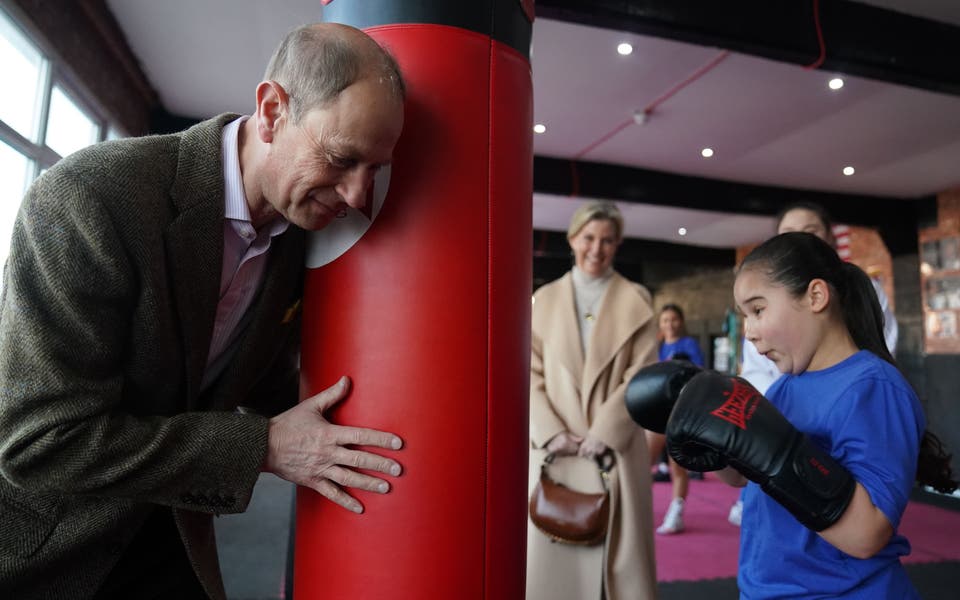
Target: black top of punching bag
503,20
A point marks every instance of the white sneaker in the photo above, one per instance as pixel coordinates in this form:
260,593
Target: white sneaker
673,520
736,513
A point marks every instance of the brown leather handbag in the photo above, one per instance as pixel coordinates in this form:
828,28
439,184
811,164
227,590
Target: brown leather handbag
568,516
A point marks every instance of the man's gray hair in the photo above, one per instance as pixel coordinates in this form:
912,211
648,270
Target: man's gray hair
315,65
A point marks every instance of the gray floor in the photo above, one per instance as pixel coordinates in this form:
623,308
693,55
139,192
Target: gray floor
253,545
934,581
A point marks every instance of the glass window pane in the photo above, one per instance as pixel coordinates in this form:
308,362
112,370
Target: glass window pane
14,177
21,65
114,133
69,128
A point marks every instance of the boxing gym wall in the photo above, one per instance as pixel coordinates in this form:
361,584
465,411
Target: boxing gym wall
424,301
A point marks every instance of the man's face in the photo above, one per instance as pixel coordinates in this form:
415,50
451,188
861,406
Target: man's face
327,161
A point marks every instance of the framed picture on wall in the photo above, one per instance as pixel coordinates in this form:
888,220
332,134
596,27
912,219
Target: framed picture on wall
940,288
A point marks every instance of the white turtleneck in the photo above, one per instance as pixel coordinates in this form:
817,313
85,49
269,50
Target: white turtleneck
588,292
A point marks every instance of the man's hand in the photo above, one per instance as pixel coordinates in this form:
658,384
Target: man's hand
306,449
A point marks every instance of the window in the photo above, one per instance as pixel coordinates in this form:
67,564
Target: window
42,119
23,66
68,128
15,173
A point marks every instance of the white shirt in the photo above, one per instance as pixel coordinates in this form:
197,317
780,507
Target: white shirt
245,254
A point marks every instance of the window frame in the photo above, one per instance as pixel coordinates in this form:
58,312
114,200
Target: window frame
54,72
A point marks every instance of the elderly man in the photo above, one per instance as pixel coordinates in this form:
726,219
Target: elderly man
149,331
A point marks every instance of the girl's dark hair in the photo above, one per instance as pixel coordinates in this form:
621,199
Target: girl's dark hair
793,260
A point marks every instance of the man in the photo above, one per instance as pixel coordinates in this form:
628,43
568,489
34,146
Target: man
150,317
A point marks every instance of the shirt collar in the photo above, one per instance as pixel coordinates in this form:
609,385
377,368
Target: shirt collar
235,199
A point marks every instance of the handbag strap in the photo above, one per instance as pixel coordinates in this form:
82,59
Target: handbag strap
604,465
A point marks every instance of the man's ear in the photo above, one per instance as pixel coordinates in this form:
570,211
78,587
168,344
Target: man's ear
272,109
818,295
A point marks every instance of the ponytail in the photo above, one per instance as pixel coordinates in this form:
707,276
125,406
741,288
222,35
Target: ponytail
864,319
861,311
933,465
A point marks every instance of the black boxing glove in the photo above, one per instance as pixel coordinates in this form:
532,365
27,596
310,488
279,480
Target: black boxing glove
653,391
720,420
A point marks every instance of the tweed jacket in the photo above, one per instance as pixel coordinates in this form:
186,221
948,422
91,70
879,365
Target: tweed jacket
108,306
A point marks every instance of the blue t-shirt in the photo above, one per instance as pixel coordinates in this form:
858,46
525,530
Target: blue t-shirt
866,416
685,345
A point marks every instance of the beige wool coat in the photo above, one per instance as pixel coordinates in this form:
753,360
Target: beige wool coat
584,395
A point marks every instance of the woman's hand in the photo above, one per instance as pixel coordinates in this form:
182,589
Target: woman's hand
564,444
591,447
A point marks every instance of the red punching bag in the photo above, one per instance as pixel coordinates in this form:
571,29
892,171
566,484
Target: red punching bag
425,302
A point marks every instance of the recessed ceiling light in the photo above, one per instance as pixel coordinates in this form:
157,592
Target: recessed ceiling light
836,83
706,152
539,128
682,231
848,171
624,49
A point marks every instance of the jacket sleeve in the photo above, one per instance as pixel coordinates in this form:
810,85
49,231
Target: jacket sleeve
67,305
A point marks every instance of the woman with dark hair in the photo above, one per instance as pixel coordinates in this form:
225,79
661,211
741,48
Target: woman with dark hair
842,423
812,218
674,344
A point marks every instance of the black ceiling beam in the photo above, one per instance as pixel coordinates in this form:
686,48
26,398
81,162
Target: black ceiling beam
860,39
895,218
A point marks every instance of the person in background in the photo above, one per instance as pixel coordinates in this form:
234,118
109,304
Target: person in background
150,331
592,330
675,344
831,455
759,370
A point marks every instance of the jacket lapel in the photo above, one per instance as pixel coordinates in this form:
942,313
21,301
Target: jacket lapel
567,325
194,244
273,308
622,313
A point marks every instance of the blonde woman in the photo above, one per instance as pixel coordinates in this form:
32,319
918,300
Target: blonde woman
592,330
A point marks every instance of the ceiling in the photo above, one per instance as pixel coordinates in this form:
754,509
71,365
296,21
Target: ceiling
769,123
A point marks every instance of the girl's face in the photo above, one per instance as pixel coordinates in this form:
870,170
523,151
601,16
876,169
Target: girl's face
783,328
594,246
670,325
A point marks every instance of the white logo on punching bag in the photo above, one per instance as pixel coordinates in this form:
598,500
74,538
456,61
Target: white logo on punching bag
328,244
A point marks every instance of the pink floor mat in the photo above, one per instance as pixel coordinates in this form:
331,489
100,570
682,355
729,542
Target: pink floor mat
709,546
